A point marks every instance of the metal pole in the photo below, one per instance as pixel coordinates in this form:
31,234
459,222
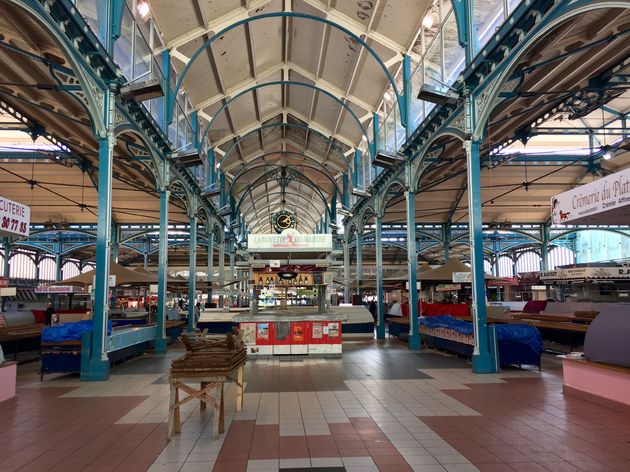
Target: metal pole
192,273
98,364
412,262
346,272
380,293
359,274
160,334
221,270
481,359
6,269
210,277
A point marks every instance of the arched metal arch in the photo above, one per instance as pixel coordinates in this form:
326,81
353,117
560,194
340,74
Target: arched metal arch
156,157
174,182
301,197
352,229
263,177
383,197
291,14
284,125
367,213
446,131
514,231
563,11
46,231
579,230
292,153
30,244
364,132
371,242
247,169
260,221
87,81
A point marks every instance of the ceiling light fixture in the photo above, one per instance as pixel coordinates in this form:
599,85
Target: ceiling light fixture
143,90
387,160
438,95
607,153
388,96
427,21
143,9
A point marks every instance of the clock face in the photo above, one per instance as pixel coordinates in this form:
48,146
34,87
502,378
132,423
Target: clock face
283,220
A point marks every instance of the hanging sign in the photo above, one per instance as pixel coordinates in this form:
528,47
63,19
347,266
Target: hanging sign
586,273
15,218
462,277
289,240
601,201
447,287
60,289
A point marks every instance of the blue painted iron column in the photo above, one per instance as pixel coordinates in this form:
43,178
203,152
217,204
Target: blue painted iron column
446,233
115,242
160,333
405,114
357,164
192,272
222,270
58,264
210,250
481,360
359,268
544,247
6,269
412,260
380,293
231,273
346,271
98,364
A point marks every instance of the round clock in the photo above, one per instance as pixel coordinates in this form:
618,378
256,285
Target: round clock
283,220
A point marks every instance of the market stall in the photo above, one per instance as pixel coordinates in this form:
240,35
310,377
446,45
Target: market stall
292,332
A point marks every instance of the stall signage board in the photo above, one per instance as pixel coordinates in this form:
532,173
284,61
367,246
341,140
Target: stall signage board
274,263
60,289
586,273
8,292
289,240
448,287
15,218
462,277
602,201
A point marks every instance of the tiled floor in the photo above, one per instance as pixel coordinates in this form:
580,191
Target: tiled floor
380,408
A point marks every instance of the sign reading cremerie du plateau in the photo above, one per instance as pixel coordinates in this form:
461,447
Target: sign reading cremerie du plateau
289,241
600,202
15,218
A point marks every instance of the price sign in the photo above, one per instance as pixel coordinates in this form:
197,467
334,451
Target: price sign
15,218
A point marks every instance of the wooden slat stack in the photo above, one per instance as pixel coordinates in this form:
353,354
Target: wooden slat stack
209,356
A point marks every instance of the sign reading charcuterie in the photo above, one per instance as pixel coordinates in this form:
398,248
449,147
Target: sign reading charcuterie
15,218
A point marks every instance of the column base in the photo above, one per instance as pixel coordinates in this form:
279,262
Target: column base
483,364
414,342
160,345
95,371
380,331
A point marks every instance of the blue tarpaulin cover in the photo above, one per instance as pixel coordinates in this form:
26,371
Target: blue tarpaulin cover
70,331
506,333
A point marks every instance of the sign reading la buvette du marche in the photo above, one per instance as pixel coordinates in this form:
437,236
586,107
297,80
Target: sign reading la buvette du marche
608,193
289,240
15,218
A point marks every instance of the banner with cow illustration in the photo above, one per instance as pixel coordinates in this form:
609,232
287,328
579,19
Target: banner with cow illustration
598,202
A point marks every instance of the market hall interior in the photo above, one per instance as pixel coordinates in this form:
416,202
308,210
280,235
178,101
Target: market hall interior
314,235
